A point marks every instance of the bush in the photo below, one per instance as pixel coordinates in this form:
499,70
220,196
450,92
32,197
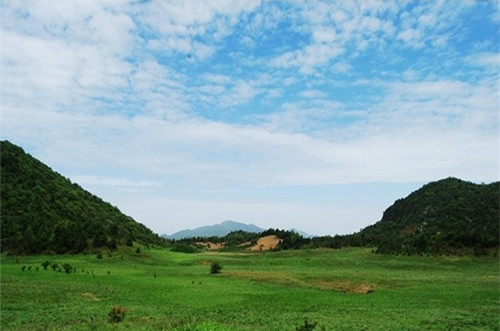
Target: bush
307,326
45,264
184,248
116,314
99,255
215,267
67,268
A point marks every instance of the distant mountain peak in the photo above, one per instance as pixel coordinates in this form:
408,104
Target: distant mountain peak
220,230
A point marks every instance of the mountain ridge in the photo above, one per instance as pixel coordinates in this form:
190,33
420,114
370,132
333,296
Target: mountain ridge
219,230
445,216
44,212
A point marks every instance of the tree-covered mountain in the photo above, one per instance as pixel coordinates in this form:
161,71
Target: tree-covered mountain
42,211
446,216
219,230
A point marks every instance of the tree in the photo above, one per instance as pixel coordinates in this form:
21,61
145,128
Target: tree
45,264
215,267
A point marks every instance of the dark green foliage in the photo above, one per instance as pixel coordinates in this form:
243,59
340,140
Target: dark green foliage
289,239
233,239
138,250
67,268
55,266
42,211
307,326
45,264
116,314
215,267
99,255
184,248
449,216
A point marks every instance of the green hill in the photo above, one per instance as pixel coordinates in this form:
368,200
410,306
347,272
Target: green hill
42,211
447,216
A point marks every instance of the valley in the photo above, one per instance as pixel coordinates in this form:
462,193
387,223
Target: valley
344,289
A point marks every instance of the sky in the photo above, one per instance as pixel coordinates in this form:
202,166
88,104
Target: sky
315,115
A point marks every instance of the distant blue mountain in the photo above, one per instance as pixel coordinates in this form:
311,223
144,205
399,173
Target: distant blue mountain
220,230
302,233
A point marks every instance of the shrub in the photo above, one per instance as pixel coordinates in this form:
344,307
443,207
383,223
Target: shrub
184,248
307,326
116,314
99,255
215,267
55,266
138,250
45,264
67,268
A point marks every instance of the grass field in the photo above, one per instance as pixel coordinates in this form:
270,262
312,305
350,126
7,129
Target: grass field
164,290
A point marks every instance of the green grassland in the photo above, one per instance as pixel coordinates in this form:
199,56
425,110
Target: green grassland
164,290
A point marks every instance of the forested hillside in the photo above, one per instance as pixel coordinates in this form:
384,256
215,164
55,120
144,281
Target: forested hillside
42,211
447,216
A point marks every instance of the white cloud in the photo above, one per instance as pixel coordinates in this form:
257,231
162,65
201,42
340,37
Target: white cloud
488,60
120,96
193,28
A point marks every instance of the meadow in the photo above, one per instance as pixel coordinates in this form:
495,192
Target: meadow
345,289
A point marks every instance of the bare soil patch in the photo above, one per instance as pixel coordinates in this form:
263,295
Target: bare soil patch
266,243
346,286
281,278
210,245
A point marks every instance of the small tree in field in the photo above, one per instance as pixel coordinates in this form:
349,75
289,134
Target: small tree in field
307,326
45,264
67,268
215,267
116,314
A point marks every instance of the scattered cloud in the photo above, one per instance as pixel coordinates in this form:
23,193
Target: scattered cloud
159,98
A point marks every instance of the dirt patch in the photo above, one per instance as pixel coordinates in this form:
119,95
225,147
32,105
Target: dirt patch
90,296
346,287
286,279
210,245
266,243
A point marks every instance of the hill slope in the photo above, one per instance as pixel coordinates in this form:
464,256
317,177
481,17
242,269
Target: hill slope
42,211
219,230
446,216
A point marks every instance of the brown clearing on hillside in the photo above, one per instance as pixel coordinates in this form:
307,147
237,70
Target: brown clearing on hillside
266,243
210,245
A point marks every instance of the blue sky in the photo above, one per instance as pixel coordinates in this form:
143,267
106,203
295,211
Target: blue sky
306,114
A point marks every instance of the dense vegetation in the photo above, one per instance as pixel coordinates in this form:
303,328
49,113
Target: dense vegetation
443,217
42,211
